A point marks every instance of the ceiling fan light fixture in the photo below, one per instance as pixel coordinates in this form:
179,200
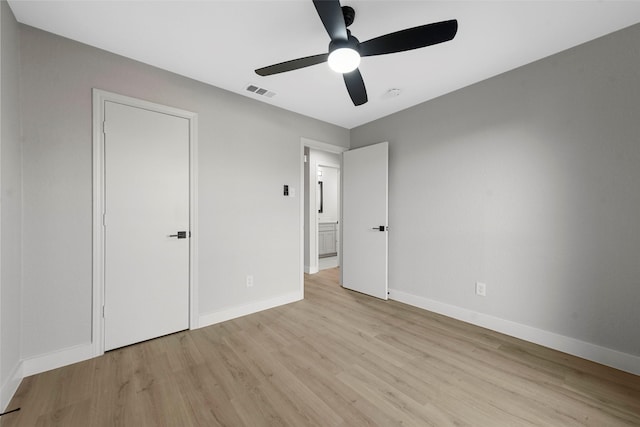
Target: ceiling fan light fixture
344,60
345,49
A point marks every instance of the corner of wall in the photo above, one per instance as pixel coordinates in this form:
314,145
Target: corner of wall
10,386
3,404
11,367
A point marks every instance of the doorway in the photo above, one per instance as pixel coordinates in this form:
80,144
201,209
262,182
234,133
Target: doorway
327,207
144,221
364,184
321,209
319,157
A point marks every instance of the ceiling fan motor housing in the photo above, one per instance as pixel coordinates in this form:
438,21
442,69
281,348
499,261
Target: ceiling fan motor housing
349,15
350,43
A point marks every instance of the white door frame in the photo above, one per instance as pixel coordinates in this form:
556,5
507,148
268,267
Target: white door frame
99,99
318,145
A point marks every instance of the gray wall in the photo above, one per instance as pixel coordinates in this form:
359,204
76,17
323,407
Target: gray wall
530,183
247,151
10,204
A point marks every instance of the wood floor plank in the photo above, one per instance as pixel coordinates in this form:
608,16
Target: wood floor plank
337,358
340,397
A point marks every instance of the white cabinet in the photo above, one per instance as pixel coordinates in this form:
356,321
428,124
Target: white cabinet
327,239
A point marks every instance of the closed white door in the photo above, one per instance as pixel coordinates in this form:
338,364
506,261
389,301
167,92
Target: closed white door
364,220
146,224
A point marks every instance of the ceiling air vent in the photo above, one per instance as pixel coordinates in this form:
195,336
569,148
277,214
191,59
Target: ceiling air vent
260,91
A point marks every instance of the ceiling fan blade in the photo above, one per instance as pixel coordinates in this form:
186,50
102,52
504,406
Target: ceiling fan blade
355,87
411,38
294,64
330,13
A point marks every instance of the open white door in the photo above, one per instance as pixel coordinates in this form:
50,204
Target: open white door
364,219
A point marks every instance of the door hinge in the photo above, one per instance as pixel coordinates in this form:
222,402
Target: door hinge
103,311
104,219
104,127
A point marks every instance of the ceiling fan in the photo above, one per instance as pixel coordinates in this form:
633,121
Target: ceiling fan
345,50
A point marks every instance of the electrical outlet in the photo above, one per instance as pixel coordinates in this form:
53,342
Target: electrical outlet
249,281
481,289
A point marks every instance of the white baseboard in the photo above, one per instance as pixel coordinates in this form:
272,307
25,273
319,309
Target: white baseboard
35,365
245,309
56,359
605,356
10,386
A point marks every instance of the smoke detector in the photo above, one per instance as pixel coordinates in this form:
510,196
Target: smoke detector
392,93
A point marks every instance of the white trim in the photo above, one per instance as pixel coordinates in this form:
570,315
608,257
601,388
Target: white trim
317,145
10,386
97,231
246,309
312,242
303,268
194,256
56,359
595,353
99,99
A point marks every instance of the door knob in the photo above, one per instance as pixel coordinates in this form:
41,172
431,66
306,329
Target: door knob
380,228
180,235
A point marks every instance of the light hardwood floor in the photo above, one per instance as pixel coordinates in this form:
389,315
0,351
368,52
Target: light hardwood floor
338,358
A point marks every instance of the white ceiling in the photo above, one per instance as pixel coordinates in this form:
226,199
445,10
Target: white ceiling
222,42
